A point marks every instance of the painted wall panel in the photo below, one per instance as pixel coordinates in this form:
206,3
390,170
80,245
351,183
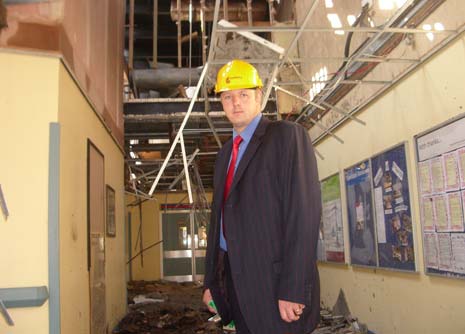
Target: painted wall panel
28,103
385,299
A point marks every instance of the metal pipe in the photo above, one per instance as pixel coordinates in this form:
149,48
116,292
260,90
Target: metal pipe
163,78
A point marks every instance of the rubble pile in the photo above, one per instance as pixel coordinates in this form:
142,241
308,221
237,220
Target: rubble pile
163,307
339,319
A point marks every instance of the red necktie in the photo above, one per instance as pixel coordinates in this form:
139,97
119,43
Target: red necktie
232,167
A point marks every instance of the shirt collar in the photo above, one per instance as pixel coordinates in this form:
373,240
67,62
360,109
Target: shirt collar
249,130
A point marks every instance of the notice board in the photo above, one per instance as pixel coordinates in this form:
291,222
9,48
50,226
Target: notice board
331,229
441,178
360,215
392,210
379,211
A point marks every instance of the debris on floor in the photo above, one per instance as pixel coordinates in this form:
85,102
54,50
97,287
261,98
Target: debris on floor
162,307
339,320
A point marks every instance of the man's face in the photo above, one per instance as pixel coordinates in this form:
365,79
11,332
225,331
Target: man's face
241,106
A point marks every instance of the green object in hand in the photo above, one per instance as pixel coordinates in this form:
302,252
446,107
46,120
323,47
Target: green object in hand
231,326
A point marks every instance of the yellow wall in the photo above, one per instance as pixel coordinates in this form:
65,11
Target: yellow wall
151,214
79,123
28,103
392,302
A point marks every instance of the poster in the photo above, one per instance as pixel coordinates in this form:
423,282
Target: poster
426,186
437,175
442,209
431,249
451,171
455,211
332,228
360,215
393,213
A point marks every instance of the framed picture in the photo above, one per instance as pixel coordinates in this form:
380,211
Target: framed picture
110,210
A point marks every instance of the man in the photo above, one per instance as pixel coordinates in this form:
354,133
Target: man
261,256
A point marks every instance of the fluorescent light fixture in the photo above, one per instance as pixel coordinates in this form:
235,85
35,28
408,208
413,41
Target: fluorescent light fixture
438,26
138,162
351,19
133,141
386,4
159,141
334,20
329,3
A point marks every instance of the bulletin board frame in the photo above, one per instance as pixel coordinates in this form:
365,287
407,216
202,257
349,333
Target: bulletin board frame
374,249
442,140
334,254
397,228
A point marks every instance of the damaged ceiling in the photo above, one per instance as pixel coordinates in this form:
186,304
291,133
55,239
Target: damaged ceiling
321,61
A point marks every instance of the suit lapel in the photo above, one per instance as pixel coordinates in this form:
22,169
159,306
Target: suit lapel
250,152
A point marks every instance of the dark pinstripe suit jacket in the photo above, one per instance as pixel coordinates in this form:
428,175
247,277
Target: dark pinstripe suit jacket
271,216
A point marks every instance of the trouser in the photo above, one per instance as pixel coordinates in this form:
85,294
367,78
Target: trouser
241,325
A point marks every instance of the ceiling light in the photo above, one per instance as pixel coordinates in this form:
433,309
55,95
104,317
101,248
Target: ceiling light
329,3
339,32
430,36
335,21
133,141
351,19
138,162
386,4
427,27
438,26
133,155
133,176
159,141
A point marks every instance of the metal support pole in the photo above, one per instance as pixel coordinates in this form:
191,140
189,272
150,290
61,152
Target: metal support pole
225,11
270,10
209,121
131,35
193,262
249,12
203,33
179,34
346,114
155,34
186,169
181,128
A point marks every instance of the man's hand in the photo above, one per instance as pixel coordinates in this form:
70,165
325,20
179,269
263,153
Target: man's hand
207,298
290,311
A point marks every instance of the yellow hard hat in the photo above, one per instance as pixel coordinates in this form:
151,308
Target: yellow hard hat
237,74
